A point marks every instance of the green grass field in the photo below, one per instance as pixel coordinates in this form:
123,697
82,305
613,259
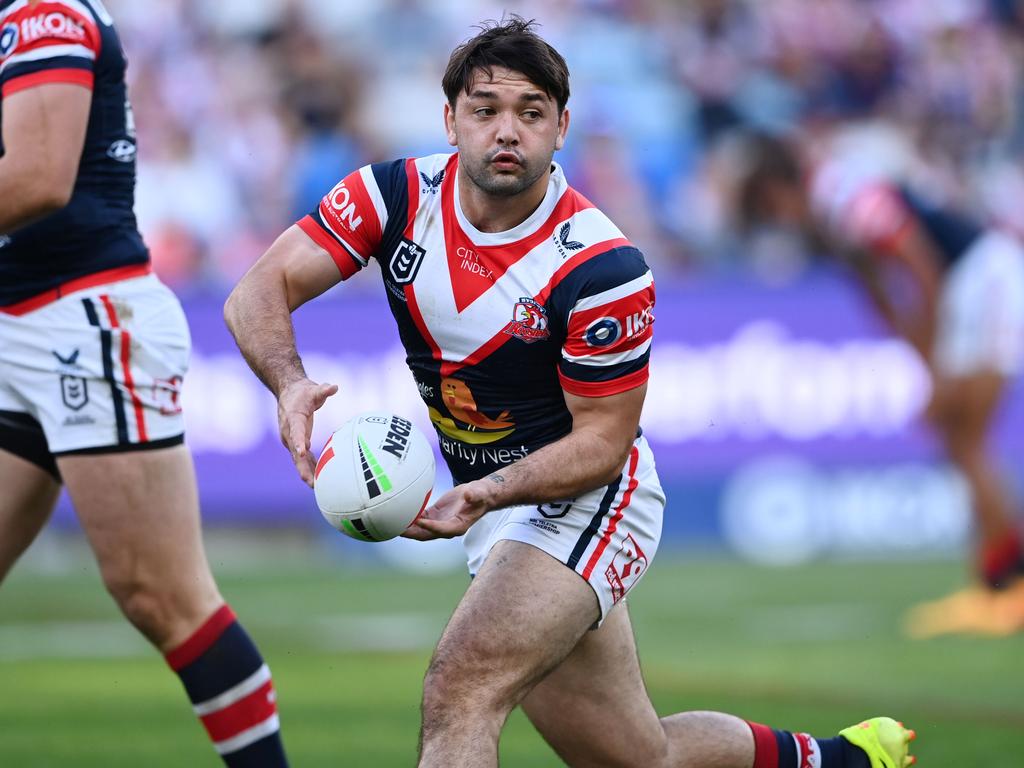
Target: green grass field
815,648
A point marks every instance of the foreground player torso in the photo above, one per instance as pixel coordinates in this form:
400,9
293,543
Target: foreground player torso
495,325
72,41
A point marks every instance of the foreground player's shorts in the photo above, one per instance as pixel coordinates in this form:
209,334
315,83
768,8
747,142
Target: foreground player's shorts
609,536
981,312
99,369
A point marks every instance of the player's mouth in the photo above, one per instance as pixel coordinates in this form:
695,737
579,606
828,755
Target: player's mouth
506,161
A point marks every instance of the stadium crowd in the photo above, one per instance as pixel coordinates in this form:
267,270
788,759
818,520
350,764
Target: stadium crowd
248,111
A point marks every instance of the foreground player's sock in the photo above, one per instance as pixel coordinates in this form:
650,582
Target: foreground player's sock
1002,560
231,692
863,749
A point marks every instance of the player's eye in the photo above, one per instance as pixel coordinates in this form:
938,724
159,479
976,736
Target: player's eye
532,114
483,112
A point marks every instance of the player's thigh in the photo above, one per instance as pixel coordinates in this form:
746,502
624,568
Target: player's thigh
523,613
139,510
28,497
593,708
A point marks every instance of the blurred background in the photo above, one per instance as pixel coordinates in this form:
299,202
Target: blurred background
785,420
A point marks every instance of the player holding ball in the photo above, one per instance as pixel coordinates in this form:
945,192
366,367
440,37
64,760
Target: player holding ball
527,320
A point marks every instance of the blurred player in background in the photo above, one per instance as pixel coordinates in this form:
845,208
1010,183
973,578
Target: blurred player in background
953,289
93,349
527,320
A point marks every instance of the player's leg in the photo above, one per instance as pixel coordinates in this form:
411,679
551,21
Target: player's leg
140,513
974,401
28,477
523,613
101,370
593,709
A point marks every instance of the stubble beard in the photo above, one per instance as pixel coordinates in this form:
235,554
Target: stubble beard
499,184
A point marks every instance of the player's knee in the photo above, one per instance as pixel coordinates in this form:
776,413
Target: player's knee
142,604
455,688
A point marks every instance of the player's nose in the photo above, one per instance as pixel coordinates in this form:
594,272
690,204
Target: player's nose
506,130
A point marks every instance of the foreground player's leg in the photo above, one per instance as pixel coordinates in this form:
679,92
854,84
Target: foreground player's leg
594,711
523,613
140,513
29,493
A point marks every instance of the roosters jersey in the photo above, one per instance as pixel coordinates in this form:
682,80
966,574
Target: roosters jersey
72,41
495,325
872,213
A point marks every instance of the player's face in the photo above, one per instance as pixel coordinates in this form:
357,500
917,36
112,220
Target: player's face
506,130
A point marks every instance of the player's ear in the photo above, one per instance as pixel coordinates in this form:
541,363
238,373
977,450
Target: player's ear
449,124
563,127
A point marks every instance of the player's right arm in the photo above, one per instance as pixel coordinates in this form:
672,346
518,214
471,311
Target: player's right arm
331,244
258,312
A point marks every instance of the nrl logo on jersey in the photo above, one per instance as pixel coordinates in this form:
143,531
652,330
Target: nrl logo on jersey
565,246
433,184
405,261
529,321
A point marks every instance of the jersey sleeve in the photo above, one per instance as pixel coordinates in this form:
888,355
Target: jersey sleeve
609,326
349,221
47,42
876,218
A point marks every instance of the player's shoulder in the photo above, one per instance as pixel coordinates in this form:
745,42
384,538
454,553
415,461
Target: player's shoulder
398,177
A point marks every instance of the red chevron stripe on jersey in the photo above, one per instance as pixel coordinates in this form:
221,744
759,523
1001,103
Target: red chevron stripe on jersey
475,268
448,368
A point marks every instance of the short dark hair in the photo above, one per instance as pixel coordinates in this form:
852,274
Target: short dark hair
509,43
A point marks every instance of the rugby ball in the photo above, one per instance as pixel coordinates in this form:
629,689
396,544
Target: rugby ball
374,476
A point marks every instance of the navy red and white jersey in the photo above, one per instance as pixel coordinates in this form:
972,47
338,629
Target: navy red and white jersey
495,325
873,214
72,41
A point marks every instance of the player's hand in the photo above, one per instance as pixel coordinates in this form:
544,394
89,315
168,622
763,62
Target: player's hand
452,514
295,407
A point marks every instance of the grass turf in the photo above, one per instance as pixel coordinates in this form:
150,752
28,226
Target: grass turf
813,648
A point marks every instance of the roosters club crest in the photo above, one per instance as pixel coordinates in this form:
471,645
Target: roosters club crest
529,321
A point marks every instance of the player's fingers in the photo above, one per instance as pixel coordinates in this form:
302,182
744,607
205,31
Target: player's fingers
306,468
418,532
322,393
445,529
300,427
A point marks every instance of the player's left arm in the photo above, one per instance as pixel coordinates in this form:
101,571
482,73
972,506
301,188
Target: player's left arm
590,456
43,135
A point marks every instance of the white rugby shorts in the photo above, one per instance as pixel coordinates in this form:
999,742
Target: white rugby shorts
609,536
981,309
100,369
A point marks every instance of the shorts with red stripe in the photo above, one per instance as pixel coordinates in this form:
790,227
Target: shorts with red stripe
100,368
609,536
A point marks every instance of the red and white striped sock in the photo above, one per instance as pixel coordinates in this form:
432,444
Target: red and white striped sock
231,692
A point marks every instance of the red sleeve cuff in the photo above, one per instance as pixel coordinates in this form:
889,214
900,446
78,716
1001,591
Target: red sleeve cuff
344,260
604,388
81,77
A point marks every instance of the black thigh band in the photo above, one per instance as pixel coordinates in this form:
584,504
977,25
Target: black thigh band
23,436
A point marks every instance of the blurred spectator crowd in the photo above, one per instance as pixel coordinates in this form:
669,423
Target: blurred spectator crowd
249,110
